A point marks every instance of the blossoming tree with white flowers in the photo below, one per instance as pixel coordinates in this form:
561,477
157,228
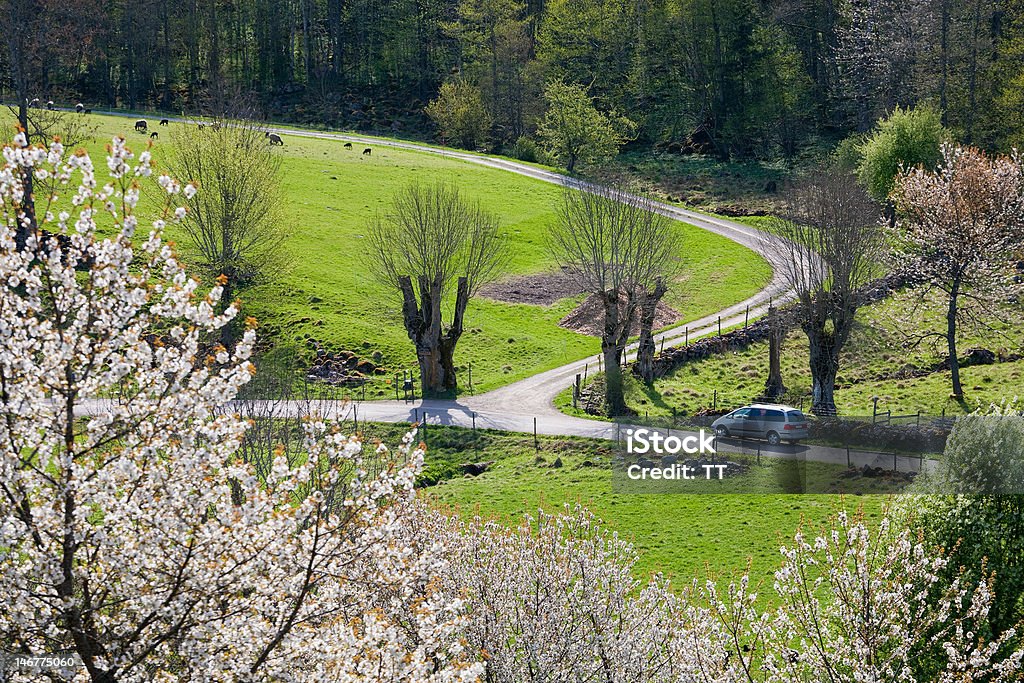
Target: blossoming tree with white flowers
864,605
130,530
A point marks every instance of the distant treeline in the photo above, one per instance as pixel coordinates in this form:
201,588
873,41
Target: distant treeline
742,78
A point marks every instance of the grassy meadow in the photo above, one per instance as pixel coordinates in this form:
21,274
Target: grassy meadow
326,293
683,536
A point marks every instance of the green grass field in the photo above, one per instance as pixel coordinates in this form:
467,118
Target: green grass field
681,535
327,293
881,345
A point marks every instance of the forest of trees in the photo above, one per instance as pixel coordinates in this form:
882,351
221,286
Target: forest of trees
738,78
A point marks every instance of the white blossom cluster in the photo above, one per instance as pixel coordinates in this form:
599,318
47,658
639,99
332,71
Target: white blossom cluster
138,538
858,605
555,600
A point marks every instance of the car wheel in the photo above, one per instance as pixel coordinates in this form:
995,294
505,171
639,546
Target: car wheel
774,439
721,431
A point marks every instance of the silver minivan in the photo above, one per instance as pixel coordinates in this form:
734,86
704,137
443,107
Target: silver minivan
775,423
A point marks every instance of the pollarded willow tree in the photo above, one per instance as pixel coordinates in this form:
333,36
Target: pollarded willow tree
131,530
430,242
618,248
828,246
961,229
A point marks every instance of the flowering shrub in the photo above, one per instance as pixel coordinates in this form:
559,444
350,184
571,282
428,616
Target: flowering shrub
863,606
555,600
137,537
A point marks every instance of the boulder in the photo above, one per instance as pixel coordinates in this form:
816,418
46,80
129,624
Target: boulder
475,469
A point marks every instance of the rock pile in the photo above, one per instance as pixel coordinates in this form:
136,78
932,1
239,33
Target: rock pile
340,368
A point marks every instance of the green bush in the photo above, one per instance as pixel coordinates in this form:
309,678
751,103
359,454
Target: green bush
525,149
905,139
460,115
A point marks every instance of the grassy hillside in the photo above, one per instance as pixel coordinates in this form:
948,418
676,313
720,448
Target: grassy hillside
327,294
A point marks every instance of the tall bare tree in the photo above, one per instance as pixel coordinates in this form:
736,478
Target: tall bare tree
829,244
620,249
234,221
431,241
962,225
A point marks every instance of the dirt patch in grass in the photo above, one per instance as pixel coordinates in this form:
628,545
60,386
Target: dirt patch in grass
542,289
588,317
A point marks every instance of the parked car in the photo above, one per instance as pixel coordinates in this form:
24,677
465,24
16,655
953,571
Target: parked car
775,423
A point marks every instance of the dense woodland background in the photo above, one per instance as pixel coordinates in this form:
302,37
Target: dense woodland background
735,78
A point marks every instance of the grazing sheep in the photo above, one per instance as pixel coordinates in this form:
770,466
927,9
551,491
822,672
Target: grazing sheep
348,145
79,107
34,103
275,139
154,135
141,125
367,151
164,122
49,105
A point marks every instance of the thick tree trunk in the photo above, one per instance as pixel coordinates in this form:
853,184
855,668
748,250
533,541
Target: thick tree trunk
954,363
824,364
614,399
774,388
451,338
646,347
435,350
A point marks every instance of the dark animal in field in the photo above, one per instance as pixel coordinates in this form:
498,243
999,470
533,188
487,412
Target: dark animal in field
87,111
49,105
164,122
201,127
34,103
141,125
79,107
348,145
367,151
154,135
275,139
